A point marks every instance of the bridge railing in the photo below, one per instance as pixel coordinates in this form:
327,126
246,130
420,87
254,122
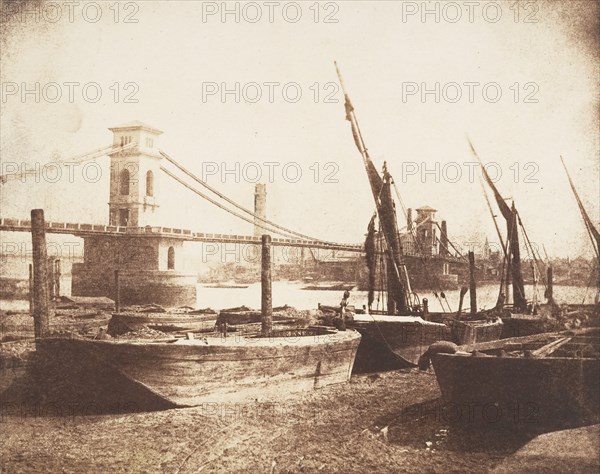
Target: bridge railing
87,229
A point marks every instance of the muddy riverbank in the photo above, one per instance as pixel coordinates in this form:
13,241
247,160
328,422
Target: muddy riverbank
384,422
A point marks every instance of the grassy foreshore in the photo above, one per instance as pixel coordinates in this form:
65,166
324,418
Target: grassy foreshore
366,425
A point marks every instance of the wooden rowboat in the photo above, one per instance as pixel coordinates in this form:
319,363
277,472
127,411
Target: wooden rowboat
188,372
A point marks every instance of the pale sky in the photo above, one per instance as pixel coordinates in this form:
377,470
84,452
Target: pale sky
172,53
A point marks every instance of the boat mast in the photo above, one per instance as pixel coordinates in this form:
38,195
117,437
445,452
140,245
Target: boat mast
374,179
511,217
398,300
590,227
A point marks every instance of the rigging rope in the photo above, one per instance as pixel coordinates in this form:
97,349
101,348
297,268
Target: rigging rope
212,201
491,213
532,250
459,255
238,206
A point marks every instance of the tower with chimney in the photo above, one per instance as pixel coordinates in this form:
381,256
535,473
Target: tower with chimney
260,208
426,230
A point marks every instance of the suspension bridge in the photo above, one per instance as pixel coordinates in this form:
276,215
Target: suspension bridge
125,147
150,257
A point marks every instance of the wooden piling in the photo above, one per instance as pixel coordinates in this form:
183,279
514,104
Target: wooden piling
41,297
463,292
117,292
51,279
550,288
57,278
444,240
31,305
266,295
472,287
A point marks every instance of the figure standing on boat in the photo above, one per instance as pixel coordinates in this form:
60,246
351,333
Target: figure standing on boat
344,302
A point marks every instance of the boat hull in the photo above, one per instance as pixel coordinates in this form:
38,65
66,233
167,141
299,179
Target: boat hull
188,373
473,332
550,390
518,325
390,342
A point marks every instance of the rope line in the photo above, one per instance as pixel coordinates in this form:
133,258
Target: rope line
239,206
212,201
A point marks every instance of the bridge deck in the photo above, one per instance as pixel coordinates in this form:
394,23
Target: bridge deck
84,230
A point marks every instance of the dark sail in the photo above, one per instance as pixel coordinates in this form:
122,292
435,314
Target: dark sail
372,173
514,259
397,301
519,300
371,257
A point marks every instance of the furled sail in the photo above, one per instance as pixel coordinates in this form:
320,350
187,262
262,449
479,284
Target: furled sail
591,228
593,231
512,235
397,297
371,256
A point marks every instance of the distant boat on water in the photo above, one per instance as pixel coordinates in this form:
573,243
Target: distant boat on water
227,285
339,286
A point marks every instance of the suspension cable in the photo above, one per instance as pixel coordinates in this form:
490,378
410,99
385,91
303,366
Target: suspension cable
238,206
212,201
91,155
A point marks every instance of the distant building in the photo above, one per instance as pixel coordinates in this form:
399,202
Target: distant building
426,253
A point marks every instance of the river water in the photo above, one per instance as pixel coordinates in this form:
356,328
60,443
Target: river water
293,294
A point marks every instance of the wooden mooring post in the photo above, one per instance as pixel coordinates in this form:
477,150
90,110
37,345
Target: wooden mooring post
463,292
41,296
117,292
550,288
266,294
51,278
31,305
57,278
472,287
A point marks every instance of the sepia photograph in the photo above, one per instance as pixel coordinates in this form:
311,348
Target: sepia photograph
306,236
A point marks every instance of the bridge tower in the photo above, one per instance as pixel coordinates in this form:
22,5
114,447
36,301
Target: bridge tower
134,176
150,260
